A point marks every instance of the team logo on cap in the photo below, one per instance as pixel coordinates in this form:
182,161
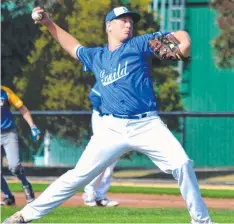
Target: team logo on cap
120,10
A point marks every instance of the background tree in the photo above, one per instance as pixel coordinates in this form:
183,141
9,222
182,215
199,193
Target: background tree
224,42
18,33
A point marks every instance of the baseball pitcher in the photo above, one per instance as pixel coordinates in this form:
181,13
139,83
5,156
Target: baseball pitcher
9,142
130,120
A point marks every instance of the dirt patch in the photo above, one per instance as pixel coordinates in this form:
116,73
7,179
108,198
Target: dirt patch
141,201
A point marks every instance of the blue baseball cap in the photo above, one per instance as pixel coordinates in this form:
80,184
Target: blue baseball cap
120,11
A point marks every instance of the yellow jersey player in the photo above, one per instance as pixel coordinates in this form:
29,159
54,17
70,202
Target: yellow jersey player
9,143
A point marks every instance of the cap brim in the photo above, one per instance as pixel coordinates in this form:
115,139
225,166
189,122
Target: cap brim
135,16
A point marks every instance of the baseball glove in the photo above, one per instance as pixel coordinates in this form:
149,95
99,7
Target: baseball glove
166,48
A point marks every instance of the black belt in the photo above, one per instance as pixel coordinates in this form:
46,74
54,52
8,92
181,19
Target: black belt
138,116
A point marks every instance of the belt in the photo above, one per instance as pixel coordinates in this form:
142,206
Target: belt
8,129
136,116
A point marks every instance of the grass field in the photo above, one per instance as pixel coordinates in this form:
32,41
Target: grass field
121,215
126,215
16,187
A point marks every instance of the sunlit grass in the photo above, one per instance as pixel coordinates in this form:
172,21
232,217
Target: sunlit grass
121,215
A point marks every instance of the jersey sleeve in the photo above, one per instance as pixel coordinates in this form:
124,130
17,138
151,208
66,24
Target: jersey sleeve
86,56
13,98
141,42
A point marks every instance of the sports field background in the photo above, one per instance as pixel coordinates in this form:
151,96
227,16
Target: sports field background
139,203
142,200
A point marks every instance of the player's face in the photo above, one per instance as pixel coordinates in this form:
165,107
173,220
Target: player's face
122,28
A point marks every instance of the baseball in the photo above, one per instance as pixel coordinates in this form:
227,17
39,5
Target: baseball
36,16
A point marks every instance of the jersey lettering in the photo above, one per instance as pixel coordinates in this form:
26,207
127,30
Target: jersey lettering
115,75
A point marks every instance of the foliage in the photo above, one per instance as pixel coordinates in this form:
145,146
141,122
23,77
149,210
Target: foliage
15,8
167,89
224,43
18,33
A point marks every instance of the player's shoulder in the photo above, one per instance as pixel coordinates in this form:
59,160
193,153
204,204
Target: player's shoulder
4,94
9,92
94,48
98,48
101,49
91,51
148,36
6,89
143,39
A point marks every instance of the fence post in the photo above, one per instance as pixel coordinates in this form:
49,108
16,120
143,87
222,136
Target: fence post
184,131
47,148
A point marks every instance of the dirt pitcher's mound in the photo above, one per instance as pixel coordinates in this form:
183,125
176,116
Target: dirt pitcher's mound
141,201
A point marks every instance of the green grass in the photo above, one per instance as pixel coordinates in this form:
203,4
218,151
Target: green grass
16,187
126,215
121,215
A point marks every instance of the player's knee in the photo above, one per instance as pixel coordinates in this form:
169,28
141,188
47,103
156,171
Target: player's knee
108,172
185,167
17,170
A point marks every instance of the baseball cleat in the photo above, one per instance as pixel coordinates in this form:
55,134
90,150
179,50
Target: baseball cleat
107,203
90,203
29,193
8,201
16,218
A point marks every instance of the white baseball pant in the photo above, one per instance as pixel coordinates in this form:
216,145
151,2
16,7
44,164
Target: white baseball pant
118,136
99,186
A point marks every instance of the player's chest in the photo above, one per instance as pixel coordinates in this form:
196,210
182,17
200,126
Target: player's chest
110,67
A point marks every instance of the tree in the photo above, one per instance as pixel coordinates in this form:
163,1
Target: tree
224,42
17,40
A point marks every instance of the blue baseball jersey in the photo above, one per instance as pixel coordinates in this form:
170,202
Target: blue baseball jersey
122,75
8,97
95,97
